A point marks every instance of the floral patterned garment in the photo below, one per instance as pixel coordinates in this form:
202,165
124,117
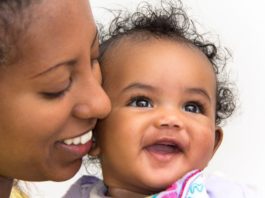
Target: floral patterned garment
190,186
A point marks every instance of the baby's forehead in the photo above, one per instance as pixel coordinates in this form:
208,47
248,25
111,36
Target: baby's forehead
111,51
128,54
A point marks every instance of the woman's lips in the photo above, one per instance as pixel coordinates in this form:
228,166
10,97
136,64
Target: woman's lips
77,147
78,151
82,139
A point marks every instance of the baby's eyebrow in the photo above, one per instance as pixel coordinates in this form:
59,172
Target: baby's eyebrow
199,91
194,90
138,85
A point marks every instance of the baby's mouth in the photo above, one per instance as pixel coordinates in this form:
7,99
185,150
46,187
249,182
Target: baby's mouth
164,148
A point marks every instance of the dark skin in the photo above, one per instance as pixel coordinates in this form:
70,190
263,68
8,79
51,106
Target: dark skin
5,186
50,53
120,193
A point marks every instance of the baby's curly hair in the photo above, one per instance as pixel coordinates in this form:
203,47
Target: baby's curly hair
170,21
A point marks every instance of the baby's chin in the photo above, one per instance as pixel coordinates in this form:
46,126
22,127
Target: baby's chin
147,184
150,184
140,189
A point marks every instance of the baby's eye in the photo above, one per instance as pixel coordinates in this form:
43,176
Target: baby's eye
141,102
193,107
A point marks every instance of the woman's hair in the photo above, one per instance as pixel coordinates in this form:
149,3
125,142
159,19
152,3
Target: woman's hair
13,21
170,21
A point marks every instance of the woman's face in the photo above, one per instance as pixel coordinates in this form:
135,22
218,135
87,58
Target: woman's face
51,97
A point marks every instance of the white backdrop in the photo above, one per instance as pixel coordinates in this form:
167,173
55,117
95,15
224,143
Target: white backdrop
241,28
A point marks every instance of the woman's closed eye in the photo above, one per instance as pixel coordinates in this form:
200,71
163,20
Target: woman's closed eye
194,107
141,102
58,94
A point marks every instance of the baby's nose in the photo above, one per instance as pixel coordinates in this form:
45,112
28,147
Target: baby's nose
169,119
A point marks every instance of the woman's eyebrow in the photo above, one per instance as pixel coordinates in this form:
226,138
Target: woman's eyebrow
71,62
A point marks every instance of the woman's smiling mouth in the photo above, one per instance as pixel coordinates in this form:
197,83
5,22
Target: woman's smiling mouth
76,147
83,139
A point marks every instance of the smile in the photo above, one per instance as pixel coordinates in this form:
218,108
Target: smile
164,148
83,139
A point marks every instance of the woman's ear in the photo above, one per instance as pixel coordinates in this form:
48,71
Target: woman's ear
218,138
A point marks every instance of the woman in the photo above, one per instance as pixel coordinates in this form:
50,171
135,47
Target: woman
50,94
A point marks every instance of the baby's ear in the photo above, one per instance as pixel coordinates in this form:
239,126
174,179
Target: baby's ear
218,138
95,150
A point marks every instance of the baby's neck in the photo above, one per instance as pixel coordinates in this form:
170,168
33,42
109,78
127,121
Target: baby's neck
5,186
121,193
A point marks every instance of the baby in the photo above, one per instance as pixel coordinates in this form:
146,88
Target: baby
169,96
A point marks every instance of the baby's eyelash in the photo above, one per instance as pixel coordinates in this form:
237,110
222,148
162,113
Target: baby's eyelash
198,104
140,101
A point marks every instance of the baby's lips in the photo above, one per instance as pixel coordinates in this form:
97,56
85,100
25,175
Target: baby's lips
164,148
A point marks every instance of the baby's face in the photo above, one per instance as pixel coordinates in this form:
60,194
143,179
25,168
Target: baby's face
162,122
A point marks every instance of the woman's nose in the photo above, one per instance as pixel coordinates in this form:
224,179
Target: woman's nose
94,102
